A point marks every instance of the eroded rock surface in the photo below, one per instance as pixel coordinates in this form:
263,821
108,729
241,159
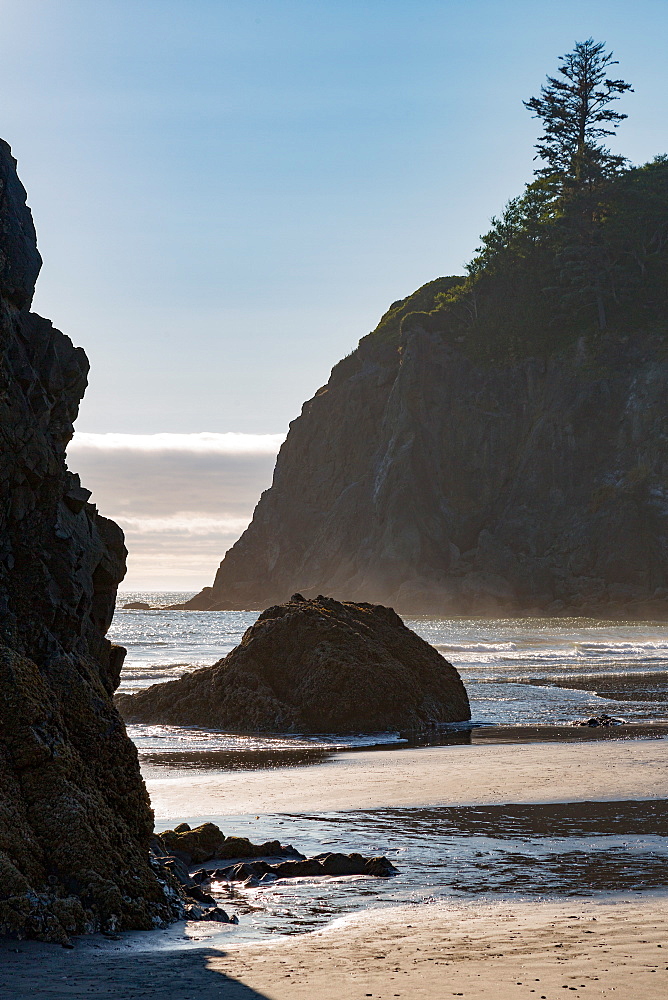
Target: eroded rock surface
315,665
75,819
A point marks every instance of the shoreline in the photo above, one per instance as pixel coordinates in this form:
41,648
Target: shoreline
603,946
643,611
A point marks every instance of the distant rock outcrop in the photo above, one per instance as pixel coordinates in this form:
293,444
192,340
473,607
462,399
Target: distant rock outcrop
314,666
75,819
425,478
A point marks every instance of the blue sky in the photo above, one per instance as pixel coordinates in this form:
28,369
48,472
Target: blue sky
229,193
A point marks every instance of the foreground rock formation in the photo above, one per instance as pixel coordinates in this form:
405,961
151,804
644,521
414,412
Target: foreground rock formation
181,848
253,873
427,479
314,666
207,841
75,819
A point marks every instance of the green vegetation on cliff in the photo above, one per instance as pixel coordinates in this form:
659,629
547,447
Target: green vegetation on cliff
582,251
423,300
542,277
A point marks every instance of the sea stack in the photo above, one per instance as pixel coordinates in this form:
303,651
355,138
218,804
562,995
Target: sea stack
315,665
75,819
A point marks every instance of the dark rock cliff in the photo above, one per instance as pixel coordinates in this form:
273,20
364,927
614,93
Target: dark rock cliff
314,666
75,820
422,478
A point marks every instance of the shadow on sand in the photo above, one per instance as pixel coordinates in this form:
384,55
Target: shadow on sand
29,970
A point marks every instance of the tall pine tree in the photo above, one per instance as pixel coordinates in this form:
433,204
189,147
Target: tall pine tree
575,108
577,115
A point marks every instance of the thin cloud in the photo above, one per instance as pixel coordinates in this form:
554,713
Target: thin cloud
183,524
204,443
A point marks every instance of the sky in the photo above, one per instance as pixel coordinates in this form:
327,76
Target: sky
229,193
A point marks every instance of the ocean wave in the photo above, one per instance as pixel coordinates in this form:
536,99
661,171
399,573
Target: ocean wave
466,647
570,655
560,678
622,649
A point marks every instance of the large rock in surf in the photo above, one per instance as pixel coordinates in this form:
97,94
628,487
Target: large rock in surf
75,819
314,666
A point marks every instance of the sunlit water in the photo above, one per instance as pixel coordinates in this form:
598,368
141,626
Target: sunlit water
526,679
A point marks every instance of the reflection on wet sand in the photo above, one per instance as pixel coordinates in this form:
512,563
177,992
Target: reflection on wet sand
480,734
229,760
156,763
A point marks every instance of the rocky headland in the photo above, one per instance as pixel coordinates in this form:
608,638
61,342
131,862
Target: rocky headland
487,449
423,478
75,818
315,665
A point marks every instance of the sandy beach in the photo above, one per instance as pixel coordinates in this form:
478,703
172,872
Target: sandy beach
505,951
606,946
558,772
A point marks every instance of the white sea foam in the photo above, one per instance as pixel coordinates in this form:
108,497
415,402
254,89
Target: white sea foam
473,647
179,739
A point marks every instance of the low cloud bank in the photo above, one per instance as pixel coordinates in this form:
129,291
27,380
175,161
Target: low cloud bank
181,499
184,523
206,442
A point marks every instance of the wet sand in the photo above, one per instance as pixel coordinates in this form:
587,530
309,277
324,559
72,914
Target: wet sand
504,951
454,775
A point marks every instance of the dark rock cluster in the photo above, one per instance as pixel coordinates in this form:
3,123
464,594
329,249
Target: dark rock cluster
174,853
253,873
207,841
75,819
424,478
596,721
315,665
181,887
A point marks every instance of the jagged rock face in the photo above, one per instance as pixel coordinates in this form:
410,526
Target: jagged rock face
75,820
422,479
314,666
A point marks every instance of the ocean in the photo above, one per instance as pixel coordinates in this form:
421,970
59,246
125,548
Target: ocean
528,680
